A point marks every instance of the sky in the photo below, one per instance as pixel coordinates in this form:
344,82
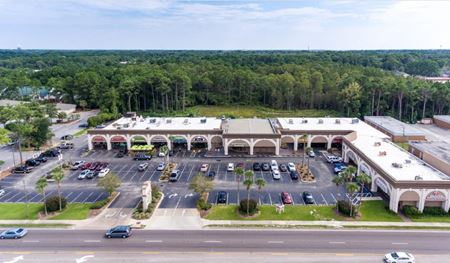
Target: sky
224,25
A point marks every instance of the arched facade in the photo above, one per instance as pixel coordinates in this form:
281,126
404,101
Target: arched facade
265,146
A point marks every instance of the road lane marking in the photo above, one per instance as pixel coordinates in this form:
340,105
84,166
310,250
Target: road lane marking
344,255
400,243
153,241
280,254
30,241
275,242
336,242
212,241
91,241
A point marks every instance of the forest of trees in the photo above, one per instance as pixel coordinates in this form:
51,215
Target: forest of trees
355,83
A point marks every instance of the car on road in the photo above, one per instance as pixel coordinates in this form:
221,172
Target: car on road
161,167
273,165
119,155
119,231
256,167
399,257
286,198
265,166
222,197
204,167
283,167
276,174
311,154
142,167
142,157
211,174
83,125
14,233
308,198
103,172
67,137
294,175
41,159
23,169
84,174
32,162
174,175
230,167
66,145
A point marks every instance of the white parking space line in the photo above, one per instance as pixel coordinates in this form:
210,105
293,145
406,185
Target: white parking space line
154,172
212,241
67,197
190,173
176,206
275,242
98,197
323,197
270,199
335,201
73,201
91,241
336,242
84,201
18,193
153,241
399,243
30,241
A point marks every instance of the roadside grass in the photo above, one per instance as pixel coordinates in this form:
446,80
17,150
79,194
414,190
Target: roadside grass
305,213
73,211
432,218
80,133
35,225
376,211
237,111
17,211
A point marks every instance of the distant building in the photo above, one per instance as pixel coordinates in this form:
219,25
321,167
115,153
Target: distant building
437,154
442,121
62,107
397,130
436,79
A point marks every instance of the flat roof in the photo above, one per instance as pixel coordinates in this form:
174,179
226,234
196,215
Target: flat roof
394,126
172,124
248,126
440,150
444,118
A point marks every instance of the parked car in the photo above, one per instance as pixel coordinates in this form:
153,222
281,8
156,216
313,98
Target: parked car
91,174
294,175
283,167
211,174
101,166
311,154
142,167
174,176
95,165
23,169
49,177
308,198
67,137
83,125
286,198
85,166
333,159
240,165
83,174
276,174
14,233
119,155
204,167
265,166
103,172
161,167
222,197
230,167
142,157
273,165
399,257
66,145
119,231
291,167
256,167
41,159
339,167
51,153
32,162
161,154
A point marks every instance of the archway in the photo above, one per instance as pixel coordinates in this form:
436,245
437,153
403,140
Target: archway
264,146
336,142
158,140
239,146
138,140
319,142
287,142
352,158
302,141
435,199
216,142
179,142
99,142
409,197
199,142
119,142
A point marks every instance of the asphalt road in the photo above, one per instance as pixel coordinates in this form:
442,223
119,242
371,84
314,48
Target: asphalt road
282,243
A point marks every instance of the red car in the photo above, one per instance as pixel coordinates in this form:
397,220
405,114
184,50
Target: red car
86,166
95,165
286,198
241,165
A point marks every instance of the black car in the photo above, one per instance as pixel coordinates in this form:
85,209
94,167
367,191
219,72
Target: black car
91,175
83,125
212,174
119,231
283,167
256,167
308,198
67,137
21,169
142,157
120,155
265,167
294,175
51,153
222,197
32,162
41,159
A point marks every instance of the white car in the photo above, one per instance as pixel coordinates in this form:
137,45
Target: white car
103,172
2,192
273,165
333,159
311,154
204,167
291,167
161,167
399,257
230,167
276,174
161,154
76,165
83,174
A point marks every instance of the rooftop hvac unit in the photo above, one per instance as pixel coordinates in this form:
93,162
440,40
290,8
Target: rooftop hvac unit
203,120
337,121
355,121
407,161
291,121
304,121
320,121
118,127
397,165
186,122
126,125
418,178
152,120
168,121
142,119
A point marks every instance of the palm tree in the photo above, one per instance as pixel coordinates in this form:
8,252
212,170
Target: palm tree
41,184
260,183
363,179
248,182
304,139
351,189
338,180
239,172
348,173
58,175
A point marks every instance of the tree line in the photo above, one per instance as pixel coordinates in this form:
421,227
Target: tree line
355,83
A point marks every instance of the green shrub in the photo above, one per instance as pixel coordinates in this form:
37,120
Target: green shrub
52,203
344,208
100,204
252,206
139,215
411,211
101,118
434,211
203,204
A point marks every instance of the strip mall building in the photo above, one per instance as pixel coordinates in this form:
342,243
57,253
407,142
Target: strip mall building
396,173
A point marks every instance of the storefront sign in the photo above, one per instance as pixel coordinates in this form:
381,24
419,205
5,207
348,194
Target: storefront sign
435,196
382,184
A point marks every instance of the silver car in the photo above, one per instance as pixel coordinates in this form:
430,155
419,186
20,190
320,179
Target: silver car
399,257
